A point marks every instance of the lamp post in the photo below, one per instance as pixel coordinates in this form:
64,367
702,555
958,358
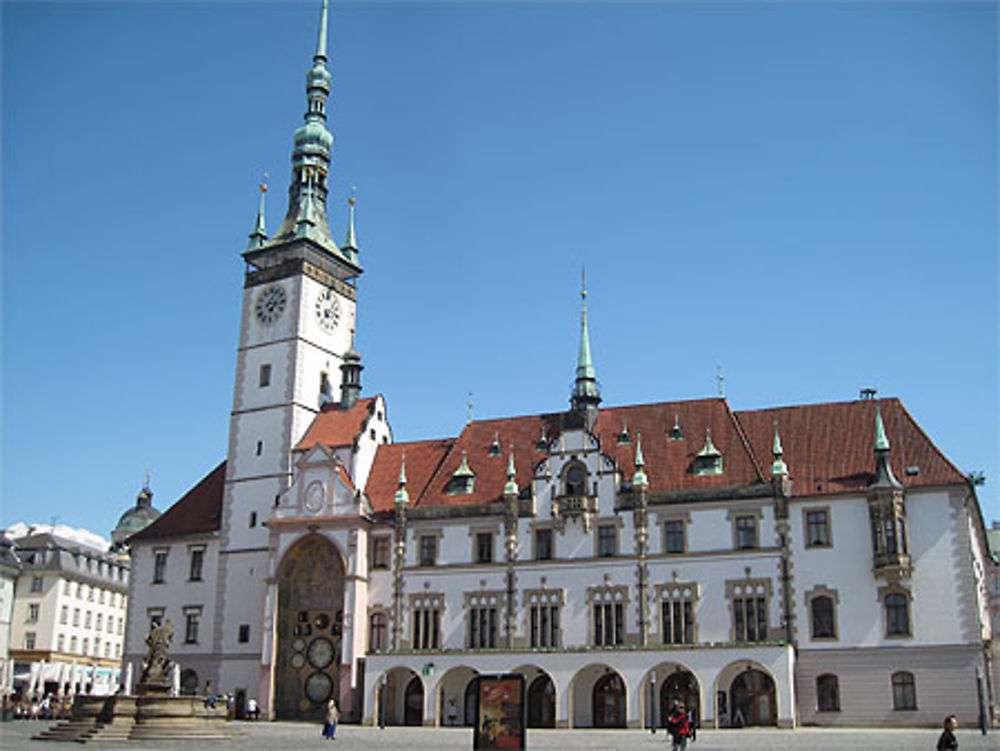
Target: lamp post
381,703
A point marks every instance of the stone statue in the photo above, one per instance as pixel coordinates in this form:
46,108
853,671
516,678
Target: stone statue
156,667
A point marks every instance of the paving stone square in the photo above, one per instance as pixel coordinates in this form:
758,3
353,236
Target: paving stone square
286,736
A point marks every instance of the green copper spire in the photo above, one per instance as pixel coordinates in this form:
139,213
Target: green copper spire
259,235
511,487
778,466
639,479
311,159
881,441
402,497
350,246
586,393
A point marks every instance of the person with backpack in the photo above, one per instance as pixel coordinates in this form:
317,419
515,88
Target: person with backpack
679,727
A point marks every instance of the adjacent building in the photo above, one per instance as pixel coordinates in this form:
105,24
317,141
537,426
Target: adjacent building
806,564
68,620
10,567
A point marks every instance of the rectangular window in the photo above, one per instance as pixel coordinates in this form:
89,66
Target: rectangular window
159,566
428,550
72,644
33,612
61,642
544,625
543,545
99,622
746,532
484,547
86,647
76,616
86,619
67,587
426,628
607,540
817,529
191,620
482,628
897,615
904,692
243,635
197,559
36,584
155,618
380,552
750,618
64,615
609,620
378,632
265,375
673,536
29,639
678,620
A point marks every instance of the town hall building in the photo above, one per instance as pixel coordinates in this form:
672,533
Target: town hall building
807,564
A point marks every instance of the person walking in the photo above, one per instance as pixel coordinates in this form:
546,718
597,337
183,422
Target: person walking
332,718
948,741
679,727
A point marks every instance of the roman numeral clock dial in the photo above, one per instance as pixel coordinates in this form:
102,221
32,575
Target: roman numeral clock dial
270,304
327,310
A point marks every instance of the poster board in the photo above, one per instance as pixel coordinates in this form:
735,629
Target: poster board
499,713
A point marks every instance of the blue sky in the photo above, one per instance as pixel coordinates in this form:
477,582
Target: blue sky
804,194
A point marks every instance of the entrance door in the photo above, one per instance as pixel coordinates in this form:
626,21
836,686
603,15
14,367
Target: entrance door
609,702
414,713
542,703
680,686
753,699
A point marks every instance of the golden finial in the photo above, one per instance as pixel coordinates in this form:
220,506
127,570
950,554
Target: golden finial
351,200
263,182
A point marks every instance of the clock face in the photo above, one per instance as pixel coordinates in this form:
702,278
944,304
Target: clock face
320,652
319,686
327,310
315,496
270,304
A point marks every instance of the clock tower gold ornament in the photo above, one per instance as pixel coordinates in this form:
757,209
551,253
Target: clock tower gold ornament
270,304
327,310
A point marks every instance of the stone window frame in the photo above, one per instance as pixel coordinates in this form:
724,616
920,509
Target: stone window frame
544,597
883,594
264,375
836,693
379,610
483,599
418,535
192,612
433,602
613,594
732,585
373,541
807,542
909,703
550,528
821,590
493,530
159,568
683,591
661,523
735,514
618,523
193,559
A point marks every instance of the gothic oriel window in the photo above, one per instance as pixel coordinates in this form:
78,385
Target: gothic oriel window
749,601
483,621
425,617
543,617
677,608
607,611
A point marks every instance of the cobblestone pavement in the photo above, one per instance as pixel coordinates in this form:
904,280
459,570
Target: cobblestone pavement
286,736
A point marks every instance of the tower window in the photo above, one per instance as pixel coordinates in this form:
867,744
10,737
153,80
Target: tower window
244,633
265,375
253,519
260,447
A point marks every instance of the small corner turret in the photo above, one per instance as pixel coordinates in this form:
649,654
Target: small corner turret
887,513
586,396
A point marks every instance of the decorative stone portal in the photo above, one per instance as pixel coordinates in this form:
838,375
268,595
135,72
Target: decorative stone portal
310,627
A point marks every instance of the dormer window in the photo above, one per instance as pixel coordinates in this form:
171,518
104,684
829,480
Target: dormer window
543,441
576,480
623,436
494,449
708,461
463,481
676,433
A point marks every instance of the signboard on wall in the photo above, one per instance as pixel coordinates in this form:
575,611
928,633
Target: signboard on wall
499,713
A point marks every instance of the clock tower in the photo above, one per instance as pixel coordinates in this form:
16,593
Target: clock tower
296,325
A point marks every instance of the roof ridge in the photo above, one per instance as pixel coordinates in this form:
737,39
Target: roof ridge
747,445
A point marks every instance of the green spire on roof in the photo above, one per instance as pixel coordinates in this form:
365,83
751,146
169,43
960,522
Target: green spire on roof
778,466
881,441
402,497
259,235
709,448
351,241
639,479
511,487
586,393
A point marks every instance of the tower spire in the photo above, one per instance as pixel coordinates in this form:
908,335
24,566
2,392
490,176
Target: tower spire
883,469
778,466
586,393
350,246
259,235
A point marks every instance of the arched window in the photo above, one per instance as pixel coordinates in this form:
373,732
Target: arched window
378,634
821,612
904,691
897,614
827,693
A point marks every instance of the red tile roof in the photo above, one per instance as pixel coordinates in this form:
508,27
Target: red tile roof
829,447
198,511
336,427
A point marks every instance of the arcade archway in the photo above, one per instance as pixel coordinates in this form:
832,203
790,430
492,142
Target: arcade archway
609,701
752,699
680,686
309,626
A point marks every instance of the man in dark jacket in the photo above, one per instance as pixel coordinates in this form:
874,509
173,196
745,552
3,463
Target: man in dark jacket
679,727
947,741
